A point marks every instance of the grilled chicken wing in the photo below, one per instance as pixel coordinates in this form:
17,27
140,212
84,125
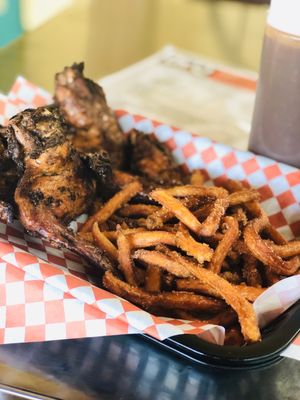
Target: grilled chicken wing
151,160
84,106
56,185
8,180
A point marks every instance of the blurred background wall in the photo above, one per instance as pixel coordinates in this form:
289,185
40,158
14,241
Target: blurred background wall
17,16
111,34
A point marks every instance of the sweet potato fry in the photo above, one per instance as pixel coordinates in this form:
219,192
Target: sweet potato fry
130,210
86,236
224,245
153,279
286,250
240,215
243,196
256,211
158,259
250,272
199,191
231,276
112,205
122,178
157,219
250,293
263,252
177,208
105,244
208,227
200,251
168,300
113,235
228,292
152,238
197,178
203,212
124,258
194,285
211,223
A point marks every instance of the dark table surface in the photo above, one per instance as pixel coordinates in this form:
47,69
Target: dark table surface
128,367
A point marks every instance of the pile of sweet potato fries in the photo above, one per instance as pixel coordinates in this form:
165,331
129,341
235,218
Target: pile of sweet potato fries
193,252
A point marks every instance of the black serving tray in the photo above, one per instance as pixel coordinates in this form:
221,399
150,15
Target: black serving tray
275,338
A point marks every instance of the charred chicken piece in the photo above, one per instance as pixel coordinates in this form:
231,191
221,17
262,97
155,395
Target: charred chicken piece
56,186
84,106
151,160
6,212
8,180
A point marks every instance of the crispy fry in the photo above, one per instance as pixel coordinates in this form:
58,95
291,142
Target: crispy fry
200,251
152,238
208,227
211,224
153,279
199,191
177,208
250,272
240,216
113,235
168,300
194,285
229,293
263,252
250,293
286,250
86,236
231,277
152,257
224,245
203,212
124,258
123,178
137,209
104,243
197,178
157,219
112,205
256,211
243,196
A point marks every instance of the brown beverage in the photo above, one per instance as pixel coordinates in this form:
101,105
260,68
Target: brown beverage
275,128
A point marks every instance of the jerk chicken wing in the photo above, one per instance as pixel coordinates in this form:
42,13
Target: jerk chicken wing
8,180
152,160
56,185
84,106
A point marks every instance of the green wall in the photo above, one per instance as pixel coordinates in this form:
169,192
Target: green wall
10,25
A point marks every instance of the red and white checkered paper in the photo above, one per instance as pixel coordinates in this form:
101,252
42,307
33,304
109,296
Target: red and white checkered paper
47,294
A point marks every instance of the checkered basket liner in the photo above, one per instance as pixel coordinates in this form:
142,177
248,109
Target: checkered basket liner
48,294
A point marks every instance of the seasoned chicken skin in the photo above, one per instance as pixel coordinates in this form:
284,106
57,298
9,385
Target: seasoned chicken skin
151,160
8,180
56,185
84,106
55,176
